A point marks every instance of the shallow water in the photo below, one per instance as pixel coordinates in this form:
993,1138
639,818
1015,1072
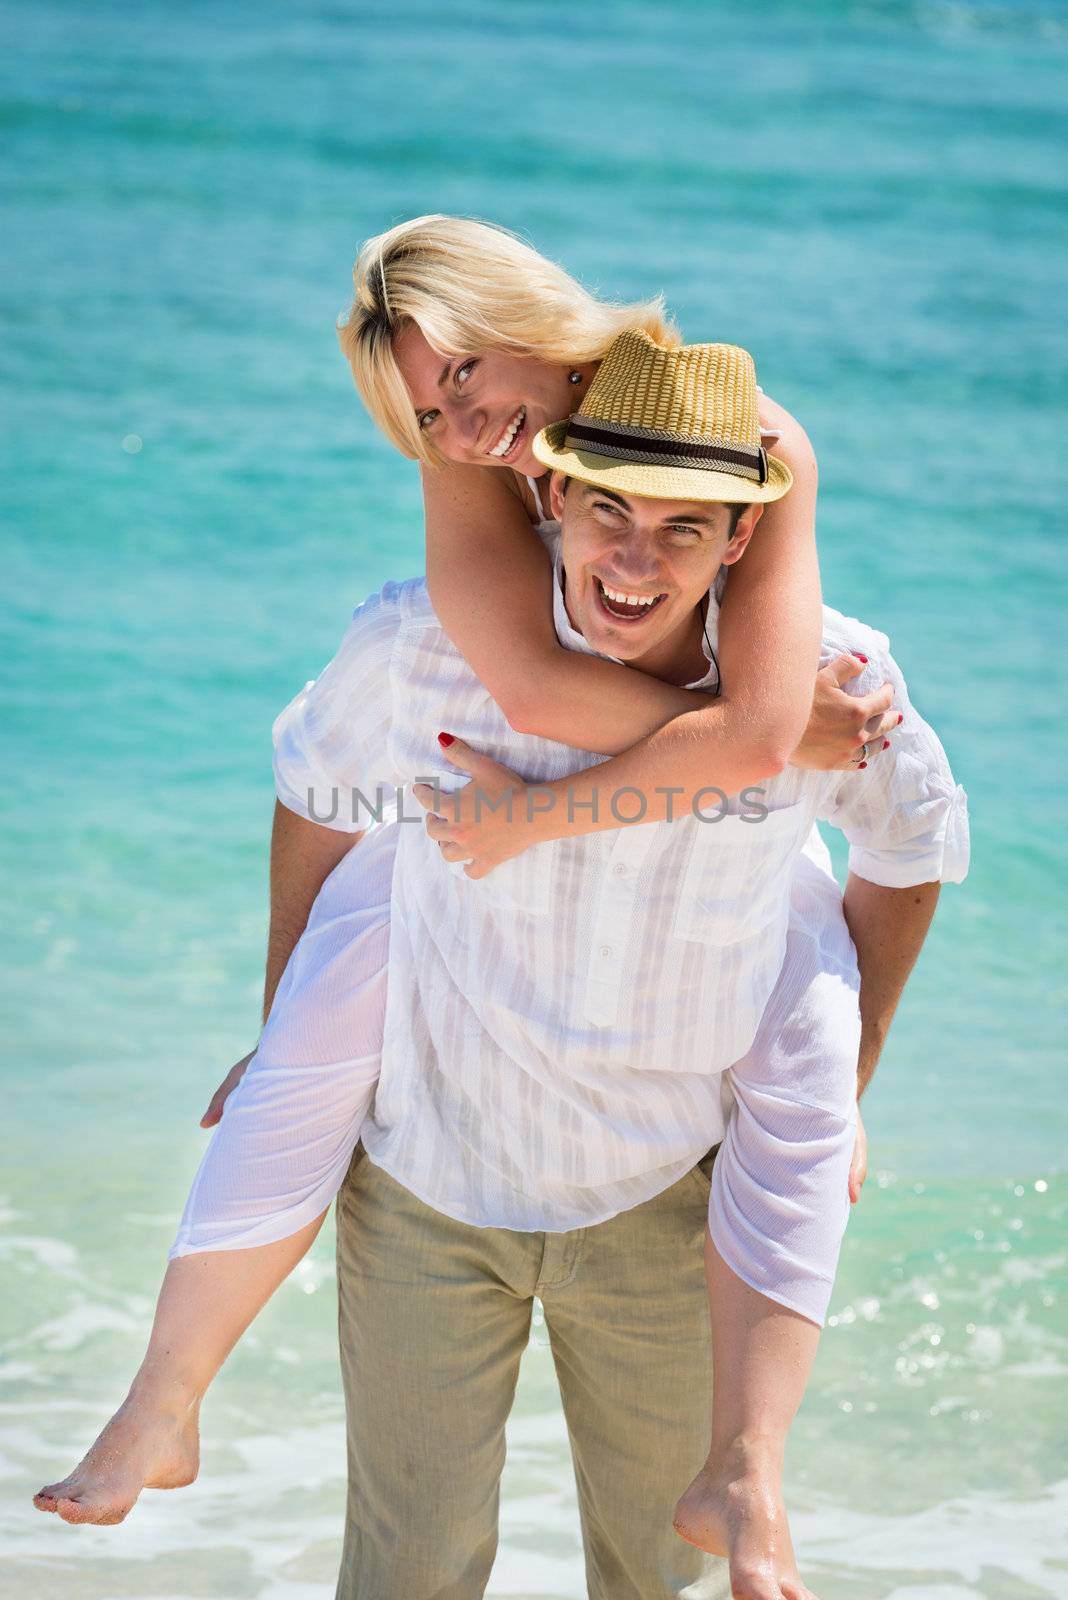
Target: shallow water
869,196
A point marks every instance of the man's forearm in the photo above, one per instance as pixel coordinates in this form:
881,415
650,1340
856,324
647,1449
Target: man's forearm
303,855
888,927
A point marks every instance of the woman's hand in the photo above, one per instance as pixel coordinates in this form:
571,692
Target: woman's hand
485,823
218,1100
842,724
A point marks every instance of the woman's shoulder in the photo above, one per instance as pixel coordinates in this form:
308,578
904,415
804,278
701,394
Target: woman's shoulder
788,438
468,486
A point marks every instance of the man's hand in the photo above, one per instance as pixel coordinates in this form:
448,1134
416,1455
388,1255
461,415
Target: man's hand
485,823
858,1167
841,724
218,1100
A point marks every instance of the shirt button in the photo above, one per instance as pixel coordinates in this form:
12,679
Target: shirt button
620,868
606,950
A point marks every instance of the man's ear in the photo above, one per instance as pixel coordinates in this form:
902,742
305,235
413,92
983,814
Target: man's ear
742,534
557,485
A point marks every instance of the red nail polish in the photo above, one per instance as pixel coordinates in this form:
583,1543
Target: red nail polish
886,744
860,657
861,765
900,718
446,739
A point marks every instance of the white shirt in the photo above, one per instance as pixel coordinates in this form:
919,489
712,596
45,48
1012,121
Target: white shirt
555,1032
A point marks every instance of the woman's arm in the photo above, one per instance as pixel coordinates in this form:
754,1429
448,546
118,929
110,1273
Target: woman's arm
490,579
771,619
769,647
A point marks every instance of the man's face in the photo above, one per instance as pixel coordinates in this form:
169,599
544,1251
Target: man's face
637,571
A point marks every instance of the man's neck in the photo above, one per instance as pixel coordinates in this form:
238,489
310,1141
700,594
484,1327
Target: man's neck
678,659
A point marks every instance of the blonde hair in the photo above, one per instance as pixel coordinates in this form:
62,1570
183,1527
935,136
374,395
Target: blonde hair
469,287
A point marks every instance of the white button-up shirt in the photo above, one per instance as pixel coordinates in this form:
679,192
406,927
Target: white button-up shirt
555,1031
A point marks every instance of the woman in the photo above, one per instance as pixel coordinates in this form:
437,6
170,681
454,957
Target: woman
464,344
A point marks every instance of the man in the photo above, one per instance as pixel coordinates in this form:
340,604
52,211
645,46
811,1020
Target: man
557,1029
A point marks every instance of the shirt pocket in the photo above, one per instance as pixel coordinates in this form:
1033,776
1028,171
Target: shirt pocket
739,876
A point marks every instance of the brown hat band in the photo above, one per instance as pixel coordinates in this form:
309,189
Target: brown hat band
633,444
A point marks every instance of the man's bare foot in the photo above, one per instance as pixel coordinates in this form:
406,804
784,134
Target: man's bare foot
146,1445
736,1510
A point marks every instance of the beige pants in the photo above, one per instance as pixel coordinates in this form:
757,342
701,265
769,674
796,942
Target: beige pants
434,1318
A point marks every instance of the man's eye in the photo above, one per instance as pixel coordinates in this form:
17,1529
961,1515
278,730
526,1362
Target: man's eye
464,372
605,505
687,533
428,419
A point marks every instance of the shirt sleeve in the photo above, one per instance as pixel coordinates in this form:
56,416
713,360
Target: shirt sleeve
905,816
331,743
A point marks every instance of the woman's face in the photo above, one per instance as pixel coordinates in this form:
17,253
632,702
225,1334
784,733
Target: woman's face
484,409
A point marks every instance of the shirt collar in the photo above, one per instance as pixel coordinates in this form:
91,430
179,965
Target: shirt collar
571,639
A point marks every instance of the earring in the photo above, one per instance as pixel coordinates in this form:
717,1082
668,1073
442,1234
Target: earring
574,377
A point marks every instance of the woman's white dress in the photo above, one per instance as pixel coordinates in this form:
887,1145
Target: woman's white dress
779,1201
281,1151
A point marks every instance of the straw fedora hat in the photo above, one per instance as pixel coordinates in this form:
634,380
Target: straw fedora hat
669,425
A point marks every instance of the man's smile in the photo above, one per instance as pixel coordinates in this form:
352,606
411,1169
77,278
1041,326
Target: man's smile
624,605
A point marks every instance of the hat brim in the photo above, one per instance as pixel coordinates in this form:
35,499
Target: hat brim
652,480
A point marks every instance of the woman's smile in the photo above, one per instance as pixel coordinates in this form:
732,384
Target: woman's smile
510,439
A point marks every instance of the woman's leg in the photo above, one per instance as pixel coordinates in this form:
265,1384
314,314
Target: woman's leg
777,1212
266,1181
762,1354
206,1303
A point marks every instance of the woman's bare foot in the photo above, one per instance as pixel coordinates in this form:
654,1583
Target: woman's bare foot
146,1445
734,1508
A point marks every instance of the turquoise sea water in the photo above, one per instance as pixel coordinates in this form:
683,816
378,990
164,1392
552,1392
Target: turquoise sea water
872,198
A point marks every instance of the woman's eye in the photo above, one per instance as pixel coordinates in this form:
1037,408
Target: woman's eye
464,372
428,419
